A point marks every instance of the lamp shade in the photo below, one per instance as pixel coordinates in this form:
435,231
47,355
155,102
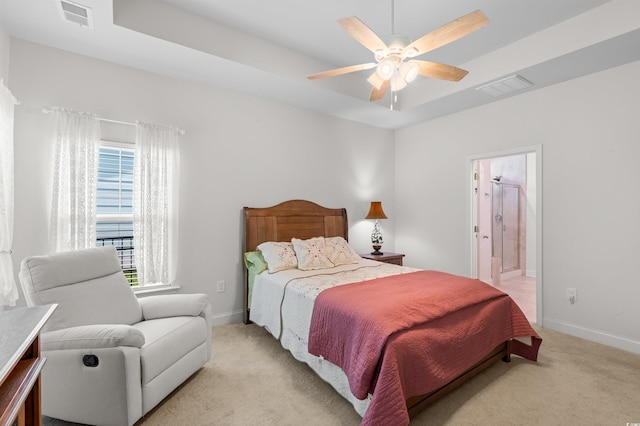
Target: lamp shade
375,211
409,71
385,69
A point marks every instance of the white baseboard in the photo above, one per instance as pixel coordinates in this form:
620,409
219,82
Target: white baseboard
593,335
227,318
531,273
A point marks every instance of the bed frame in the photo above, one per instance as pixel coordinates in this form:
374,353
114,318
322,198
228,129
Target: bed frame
304,219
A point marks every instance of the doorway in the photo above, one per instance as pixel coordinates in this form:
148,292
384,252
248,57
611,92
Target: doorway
506,225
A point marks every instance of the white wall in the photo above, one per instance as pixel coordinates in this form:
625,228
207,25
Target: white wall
4,67
589,130
238,151
4,55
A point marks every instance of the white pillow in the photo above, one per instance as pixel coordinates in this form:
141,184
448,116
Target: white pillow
310,254
279,256
339,251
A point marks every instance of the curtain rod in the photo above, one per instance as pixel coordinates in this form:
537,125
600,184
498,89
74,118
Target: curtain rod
47,110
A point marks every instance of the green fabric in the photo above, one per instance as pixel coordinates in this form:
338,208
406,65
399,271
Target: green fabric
255,264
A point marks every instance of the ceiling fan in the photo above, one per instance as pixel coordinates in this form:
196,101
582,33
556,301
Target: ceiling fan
394,64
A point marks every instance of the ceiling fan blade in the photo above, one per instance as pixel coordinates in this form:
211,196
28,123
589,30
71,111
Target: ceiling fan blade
377,94
340,71
375,80
362,33
440,71
447,33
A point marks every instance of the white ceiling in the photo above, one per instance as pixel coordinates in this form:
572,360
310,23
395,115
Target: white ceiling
267,48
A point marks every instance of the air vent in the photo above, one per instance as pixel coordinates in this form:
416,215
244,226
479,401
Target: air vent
505,86
75,13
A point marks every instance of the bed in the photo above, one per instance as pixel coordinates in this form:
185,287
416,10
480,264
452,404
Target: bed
425,353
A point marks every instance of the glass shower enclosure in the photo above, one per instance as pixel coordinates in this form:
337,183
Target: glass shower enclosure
505,225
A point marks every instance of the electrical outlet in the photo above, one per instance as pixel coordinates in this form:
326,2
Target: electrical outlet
572,295
221,286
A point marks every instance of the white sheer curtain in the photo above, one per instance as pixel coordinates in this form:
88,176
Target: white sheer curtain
155,202
8,288
73,213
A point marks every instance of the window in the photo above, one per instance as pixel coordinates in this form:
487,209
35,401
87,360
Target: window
114,205
97,162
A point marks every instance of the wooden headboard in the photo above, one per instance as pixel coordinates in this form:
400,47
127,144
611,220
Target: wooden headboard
296,218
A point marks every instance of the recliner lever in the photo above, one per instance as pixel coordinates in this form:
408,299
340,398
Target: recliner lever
90,360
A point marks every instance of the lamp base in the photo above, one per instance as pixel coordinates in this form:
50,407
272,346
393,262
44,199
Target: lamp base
376,250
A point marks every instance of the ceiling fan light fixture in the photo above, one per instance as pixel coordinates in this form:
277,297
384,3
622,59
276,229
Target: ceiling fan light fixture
409,71
398,82
385,69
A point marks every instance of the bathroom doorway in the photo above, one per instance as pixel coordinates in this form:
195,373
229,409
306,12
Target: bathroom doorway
506,225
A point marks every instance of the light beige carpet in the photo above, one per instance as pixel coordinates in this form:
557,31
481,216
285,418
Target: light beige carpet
251,380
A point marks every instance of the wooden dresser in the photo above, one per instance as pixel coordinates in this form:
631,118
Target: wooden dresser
21,364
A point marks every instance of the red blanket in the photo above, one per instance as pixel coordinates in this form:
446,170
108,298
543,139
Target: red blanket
410,334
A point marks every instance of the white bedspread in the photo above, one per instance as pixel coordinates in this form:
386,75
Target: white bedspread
283,303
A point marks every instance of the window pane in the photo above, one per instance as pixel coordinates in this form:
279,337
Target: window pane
120,235
115,181
115,197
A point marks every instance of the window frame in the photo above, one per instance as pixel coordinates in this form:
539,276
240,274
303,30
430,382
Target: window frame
140,289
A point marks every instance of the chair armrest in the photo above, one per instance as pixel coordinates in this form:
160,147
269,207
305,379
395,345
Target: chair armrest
173,305
92,337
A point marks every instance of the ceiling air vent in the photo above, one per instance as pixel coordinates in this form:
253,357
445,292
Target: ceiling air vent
505,86
75,13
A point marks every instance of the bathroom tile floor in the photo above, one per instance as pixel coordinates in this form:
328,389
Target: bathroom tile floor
522,290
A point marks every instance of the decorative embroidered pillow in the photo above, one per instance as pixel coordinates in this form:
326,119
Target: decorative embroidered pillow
339,251
279,256
310,254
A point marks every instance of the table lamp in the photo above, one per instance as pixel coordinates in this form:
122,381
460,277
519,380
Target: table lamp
376,212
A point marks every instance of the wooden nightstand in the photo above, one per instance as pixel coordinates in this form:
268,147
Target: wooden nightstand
387,257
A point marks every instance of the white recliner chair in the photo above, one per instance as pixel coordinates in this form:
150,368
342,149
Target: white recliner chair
111,357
